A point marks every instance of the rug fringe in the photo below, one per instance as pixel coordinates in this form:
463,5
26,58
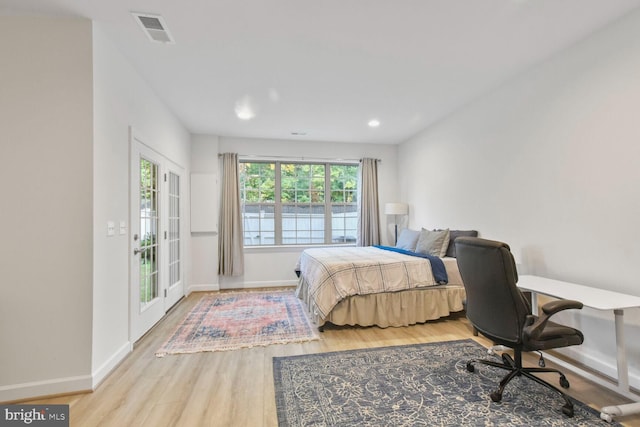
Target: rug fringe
238,347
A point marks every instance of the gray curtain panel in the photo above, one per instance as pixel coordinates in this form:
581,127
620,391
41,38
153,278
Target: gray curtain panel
230,237
368,212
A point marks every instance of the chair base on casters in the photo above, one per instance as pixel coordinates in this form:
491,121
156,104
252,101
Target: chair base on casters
516,369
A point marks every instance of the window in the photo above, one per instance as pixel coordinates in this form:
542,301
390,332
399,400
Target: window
293,203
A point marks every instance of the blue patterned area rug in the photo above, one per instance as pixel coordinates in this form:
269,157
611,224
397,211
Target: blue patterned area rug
412,385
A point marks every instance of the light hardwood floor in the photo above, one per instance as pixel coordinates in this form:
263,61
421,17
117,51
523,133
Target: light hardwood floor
235,388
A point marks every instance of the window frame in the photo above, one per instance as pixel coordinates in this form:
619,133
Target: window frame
278,204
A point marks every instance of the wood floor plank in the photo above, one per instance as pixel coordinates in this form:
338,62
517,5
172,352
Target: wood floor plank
235,388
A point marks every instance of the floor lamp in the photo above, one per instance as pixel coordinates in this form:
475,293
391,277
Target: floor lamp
396,209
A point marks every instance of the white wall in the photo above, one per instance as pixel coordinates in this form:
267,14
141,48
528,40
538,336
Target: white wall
66,103
47,211
274,266
549,164
204,160
123,99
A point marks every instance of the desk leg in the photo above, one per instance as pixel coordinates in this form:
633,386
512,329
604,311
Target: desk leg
608,412
623,370
534,303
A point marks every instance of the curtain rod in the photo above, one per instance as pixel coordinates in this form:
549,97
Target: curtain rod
292,158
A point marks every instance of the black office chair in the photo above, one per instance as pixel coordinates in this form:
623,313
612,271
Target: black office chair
498,310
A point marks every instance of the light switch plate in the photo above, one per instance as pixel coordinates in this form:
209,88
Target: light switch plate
111,228
123,227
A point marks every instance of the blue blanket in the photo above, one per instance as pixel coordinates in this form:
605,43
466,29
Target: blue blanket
437,266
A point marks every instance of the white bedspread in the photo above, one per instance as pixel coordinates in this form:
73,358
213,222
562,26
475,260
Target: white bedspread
336,273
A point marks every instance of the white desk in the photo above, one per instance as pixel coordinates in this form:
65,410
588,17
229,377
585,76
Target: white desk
598,299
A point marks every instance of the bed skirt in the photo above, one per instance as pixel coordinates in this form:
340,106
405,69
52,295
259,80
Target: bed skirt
402,308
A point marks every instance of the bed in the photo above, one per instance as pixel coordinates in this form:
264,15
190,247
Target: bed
379,285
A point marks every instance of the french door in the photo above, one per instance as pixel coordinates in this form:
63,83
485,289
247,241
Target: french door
173,234
156,266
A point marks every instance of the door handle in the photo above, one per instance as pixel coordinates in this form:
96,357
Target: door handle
137,251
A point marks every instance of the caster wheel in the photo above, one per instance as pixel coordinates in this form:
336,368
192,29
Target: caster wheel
568,410
607,417
564,383
496,396
470,367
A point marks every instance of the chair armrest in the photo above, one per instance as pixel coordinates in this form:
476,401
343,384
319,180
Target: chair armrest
553,307
534,325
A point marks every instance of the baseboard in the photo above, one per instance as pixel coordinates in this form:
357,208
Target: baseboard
57,386
240,285
261,284
60,386
607,368
107,367
203,288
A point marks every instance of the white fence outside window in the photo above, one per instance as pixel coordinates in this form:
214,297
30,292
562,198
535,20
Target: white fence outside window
259,229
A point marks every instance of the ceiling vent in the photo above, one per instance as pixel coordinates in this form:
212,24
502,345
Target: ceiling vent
154,27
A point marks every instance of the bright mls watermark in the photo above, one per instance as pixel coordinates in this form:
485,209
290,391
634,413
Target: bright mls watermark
34,415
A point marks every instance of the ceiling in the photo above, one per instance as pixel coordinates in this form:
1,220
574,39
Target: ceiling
320,70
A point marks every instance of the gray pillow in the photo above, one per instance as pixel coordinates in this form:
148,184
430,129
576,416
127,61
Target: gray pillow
408,239
433,242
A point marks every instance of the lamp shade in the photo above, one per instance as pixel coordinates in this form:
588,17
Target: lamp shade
396,208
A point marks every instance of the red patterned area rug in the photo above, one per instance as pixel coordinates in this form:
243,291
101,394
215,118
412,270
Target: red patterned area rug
224,321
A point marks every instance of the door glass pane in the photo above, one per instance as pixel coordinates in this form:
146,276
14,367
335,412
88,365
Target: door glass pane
148,231
174,228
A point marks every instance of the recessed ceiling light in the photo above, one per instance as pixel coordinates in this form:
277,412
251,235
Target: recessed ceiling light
244,108
374,123
245,113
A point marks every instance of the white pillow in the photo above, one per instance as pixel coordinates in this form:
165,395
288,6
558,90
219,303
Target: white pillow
433,242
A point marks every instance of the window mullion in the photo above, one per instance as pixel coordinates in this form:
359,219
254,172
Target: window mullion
277,225
327,204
